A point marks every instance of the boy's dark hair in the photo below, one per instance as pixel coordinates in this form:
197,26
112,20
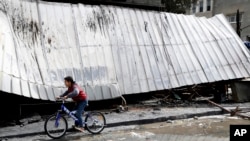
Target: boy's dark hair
69,79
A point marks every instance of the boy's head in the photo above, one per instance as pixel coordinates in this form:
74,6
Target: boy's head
68,81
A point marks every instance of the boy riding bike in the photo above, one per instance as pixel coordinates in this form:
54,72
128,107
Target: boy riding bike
79,96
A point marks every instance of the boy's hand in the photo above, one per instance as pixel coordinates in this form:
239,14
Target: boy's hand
65,97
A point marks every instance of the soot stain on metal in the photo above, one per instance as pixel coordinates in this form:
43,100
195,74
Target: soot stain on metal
34,30
167,26
26,29
101,19
146,26
91,25
4,6
49,40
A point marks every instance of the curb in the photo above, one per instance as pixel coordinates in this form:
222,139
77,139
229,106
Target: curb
164,119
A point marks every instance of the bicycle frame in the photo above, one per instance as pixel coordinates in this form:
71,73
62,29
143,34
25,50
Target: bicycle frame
67,111
70,113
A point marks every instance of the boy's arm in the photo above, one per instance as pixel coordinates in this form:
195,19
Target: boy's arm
64,94
74,93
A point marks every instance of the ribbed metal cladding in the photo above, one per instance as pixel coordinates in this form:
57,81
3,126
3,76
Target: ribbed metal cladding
112,51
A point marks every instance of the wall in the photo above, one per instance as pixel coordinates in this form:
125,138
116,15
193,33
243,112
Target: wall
230,7
205,12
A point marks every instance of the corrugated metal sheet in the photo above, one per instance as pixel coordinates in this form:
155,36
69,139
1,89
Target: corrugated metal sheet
112,51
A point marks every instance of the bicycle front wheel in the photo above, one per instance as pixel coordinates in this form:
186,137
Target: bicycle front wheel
56,126
95,122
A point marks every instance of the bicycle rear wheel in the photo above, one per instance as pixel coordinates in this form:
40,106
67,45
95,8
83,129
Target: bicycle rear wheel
56,126
95,122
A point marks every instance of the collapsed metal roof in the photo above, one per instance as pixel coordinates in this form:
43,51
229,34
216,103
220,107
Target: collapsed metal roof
112,51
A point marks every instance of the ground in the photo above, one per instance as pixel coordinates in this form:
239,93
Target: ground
202,128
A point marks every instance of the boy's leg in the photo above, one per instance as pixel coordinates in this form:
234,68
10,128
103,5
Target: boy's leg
76,122
79,111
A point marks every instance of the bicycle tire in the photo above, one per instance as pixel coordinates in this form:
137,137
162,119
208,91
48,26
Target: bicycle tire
89,126
53,119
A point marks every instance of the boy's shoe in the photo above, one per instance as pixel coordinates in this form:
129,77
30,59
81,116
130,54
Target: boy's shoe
81,129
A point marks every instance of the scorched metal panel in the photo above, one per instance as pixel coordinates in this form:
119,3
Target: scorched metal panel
111,50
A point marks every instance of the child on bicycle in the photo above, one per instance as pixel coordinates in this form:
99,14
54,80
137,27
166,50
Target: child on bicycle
79,96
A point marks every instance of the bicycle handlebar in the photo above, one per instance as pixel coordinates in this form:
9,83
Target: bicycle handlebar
60,99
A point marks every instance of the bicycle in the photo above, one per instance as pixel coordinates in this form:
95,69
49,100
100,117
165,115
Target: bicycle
56,125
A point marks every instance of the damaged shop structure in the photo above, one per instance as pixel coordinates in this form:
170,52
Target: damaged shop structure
113,51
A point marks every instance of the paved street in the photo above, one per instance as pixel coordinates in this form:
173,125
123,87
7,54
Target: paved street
135,116
210,128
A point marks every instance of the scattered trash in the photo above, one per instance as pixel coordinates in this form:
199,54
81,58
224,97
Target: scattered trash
153,102
120,109
155,113
142,114
196,118
232,112
186,96
35,118
156,109
177,96
232,117
169,121
201,125
148,134
142,135
133,134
